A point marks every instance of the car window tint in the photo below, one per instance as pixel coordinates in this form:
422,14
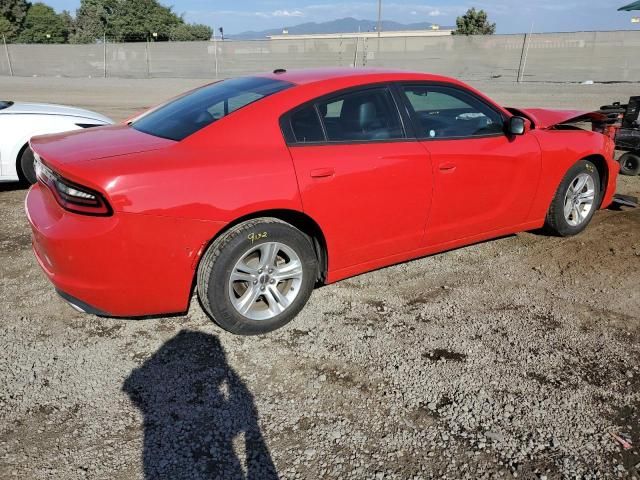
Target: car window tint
195,110
306,126
232,104
360,116
445,112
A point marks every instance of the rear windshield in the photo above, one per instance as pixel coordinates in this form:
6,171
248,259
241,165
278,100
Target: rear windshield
187,114
5,104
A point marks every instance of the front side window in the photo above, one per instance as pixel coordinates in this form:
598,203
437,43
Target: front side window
189,113
444,112
366,115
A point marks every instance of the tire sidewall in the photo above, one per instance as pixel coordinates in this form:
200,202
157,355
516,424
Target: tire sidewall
635,157
27,168
583,166
220,306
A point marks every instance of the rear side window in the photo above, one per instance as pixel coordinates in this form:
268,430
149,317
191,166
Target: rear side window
187,114
306,127
366,115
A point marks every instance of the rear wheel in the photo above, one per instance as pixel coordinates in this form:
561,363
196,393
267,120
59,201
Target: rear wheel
257,277
630,164
575,201
27,171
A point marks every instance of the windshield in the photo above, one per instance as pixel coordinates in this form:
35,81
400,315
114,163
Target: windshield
5,104
187,114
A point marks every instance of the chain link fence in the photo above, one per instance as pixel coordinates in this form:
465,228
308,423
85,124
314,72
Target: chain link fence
553,57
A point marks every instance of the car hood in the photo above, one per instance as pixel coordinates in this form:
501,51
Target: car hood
50,109
546,118
94,143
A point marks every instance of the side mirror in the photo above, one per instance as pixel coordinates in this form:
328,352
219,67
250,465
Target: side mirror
516,126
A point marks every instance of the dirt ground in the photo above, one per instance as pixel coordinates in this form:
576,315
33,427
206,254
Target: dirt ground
511,358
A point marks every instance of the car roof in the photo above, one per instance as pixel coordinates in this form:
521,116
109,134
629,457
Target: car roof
313,75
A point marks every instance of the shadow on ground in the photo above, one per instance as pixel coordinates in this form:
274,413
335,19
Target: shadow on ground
200,421
12,186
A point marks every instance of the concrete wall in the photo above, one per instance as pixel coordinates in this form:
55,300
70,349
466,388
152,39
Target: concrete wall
558,57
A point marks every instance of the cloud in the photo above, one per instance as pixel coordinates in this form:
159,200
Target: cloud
287,13
435,13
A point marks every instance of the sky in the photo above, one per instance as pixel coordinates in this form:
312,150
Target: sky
511,16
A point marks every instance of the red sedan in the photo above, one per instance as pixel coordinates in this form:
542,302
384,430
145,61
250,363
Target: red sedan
254,190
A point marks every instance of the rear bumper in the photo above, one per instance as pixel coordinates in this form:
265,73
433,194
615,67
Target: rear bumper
125,265
81,306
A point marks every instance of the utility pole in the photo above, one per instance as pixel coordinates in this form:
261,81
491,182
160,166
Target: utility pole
379,27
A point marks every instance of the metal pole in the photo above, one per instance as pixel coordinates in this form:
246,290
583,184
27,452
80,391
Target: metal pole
146,58
524,53
104,54
215,51
379,27
6,51
355,55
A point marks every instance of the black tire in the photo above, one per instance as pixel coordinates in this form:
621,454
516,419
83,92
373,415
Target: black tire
27,170
214,273
630,164
556,223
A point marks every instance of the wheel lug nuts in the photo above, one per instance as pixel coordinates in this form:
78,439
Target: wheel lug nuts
260,271
255,282
262,288
272,281
270,270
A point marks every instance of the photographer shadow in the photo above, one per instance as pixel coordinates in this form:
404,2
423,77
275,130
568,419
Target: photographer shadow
200,420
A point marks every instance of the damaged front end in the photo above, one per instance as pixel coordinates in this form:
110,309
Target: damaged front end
599,121
619,122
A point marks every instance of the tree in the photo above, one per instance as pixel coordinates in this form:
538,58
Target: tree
138,20
6,29
190,32
93,21
132,21
43,25
12,15
69,23
474,22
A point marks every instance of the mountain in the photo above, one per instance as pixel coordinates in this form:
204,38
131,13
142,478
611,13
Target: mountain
342,25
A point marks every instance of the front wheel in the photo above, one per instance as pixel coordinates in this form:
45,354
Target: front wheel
257,277
575,201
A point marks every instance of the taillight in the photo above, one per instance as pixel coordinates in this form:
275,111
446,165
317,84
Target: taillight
72,197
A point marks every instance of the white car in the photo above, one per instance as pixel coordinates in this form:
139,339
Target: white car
21,121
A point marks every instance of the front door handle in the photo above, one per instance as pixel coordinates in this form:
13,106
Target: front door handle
322,172
447,167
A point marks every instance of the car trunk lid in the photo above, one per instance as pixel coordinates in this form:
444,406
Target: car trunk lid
95,143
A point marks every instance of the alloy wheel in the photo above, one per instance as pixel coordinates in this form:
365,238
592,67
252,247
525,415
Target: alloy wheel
578,201
265,280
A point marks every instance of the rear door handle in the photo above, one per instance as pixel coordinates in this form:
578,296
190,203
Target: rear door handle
447,167
322,172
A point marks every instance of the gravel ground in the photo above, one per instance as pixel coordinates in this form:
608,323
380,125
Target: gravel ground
515,357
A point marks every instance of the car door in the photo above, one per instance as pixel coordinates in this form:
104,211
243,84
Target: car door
360,177
484,180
